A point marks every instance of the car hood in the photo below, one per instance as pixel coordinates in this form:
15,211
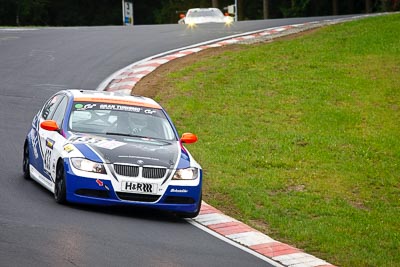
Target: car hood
130,150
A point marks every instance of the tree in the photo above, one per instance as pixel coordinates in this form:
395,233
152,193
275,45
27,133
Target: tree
214,3
265,9
240,10
296,8
367,6
335,7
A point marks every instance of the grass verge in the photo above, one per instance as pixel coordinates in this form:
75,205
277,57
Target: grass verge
301,138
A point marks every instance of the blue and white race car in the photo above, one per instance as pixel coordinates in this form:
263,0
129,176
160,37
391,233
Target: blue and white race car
103,148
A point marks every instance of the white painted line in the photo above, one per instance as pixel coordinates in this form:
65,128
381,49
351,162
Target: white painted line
18,29
252,252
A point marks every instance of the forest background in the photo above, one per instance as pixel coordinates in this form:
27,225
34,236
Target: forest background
109,12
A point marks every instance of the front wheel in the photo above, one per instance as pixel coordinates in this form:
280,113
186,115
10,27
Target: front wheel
25,163
60,188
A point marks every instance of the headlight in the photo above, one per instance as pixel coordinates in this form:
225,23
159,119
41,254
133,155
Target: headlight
190,23
186,174
228,20
88,165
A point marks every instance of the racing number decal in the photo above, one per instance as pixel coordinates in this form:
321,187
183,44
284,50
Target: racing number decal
47,160
47,155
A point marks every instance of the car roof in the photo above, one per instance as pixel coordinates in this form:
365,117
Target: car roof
202,9
112,98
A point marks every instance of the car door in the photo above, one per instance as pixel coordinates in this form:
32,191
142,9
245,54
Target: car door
54,109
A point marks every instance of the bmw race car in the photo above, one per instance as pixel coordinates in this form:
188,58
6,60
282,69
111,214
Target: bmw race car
103,148
196,16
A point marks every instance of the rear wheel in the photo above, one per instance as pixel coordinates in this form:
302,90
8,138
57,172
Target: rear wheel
25,163
60,188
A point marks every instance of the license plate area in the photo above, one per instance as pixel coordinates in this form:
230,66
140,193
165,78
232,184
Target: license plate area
141,188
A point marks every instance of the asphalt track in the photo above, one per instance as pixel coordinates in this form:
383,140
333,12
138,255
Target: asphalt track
34,230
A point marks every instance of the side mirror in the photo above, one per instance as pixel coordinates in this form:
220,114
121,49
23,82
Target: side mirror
49,125
188,138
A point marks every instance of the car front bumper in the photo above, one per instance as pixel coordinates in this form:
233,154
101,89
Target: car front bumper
183,199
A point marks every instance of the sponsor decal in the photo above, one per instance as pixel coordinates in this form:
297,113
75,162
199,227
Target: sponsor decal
80,106
174,190
100,183
35,121
138,187
86,139
69,147
137,157
118,101
89,106
35,141
109,144
98,141
50,143
47,160
120,108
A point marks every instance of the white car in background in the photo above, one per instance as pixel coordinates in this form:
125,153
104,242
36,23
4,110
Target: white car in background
204,15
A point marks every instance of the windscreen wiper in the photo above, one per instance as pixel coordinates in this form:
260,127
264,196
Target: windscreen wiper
125,134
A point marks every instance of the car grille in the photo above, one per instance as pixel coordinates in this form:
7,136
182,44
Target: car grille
127,170
137,197
153,172
134,171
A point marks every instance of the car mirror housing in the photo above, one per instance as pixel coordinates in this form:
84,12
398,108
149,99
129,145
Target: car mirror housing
49,125
189,138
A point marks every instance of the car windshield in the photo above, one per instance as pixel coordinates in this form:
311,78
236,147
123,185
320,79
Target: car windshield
116,119
205,13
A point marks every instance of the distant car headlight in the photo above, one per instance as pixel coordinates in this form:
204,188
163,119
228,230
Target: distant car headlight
191,23
228,20
186,174
88,165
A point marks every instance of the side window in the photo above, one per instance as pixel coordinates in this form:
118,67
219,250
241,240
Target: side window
59,113
50,106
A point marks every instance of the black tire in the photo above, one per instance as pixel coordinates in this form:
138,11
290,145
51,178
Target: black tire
60,187
26,162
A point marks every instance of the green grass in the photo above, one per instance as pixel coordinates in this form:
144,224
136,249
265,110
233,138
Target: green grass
300,138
